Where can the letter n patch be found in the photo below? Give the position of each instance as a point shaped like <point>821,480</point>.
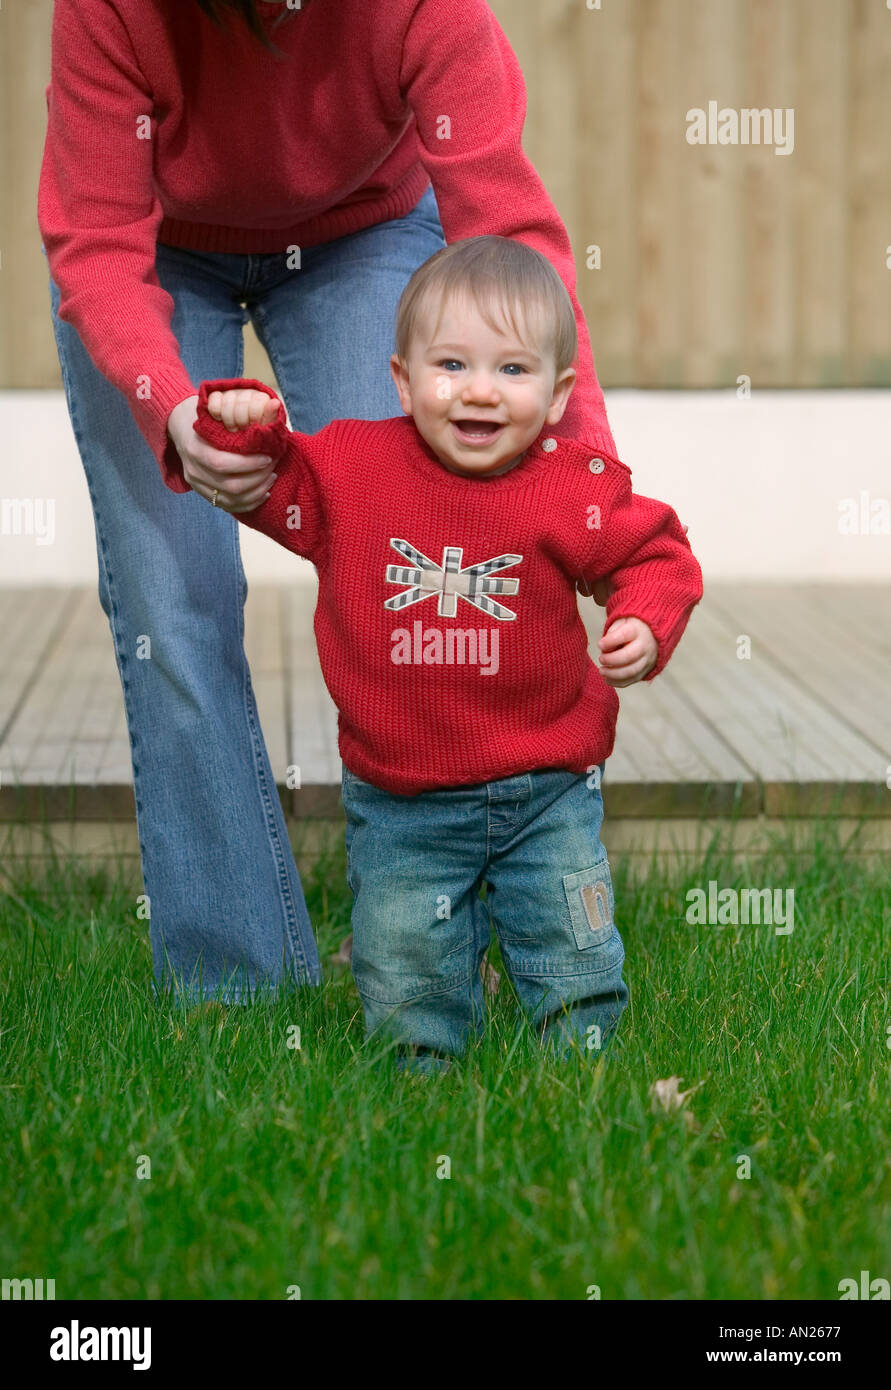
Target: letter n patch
<point>595,898</point>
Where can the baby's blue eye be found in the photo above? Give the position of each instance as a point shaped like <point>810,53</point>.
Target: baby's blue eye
<point>453,361</point>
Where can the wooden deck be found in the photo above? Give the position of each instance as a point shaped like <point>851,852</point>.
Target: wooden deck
<point>800,728</point>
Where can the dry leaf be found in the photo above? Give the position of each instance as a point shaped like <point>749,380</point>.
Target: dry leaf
<point>344,953</point>
<point>666,1096</point>
<point>491,977</point>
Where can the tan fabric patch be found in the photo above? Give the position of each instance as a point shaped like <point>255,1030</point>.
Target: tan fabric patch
<point>595,898</point>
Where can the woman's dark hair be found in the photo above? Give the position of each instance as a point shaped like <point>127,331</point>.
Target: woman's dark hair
<point>246,10</point>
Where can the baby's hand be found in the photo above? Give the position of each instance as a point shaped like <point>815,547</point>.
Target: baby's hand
<point>628,650</point>
<point>242,407</point>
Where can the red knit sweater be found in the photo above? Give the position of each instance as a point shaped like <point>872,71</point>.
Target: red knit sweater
<point>162,127</point>
<point>447,622</point>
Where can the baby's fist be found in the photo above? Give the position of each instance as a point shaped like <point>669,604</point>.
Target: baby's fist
<point>628,650</point>
<point>241,407</point>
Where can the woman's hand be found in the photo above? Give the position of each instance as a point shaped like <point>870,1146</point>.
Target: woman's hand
<point>599,591</point>
<point>242,481</point>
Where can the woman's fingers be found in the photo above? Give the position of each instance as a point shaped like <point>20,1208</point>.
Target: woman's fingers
<point>231,473</point>
<point>240,481</point>
<point>249,500</point>
<point>237,500</point>
<point>247,506</point>
<point>233,493</point>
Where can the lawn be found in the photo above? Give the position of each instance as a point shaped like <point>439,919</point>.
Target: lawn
<point>150,1151</point>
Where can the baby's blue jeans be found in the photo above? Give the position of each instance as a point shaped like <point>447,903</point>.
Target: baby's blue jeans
<point>416,865</point>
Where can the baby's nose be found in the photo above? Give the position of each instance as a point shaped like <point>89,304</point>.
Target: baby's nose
<point>480,384</point>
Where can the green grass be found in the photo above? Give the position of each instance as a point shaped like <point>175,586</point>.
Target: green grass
<point>273,1167</point>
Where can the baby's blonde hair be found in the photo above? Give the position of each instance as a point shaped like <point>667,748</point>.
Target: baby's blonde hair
<point>498,274</point>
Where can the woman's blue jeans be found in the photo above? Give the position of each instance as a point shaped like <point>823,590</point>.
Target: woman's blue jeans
<point>227,910</point>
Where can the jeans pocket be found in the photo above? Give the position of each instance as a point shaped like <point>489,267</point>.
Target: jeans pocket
<point>589,893</point>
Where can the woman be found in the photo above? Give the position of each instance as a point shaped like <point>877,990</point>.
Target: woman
<point>294,169</point>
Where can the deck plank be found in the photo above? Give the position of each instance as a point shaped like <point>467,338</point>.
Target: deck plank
<point>668,759</point>
<point>263,647</point>
<point>655,724</point>
<point>62,729</point>
<point>312,713</point>
<point>864,610</point>
<point>807,717</point>
<point>29,621</point>
<point>782,731</point>
<point>841,659</point>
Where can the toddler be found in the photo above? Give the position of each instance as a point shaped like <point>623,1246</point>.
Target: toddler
<point>473,726</point>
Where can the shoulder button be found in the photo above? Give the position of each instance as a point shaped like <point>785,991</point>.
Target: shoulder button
<point>549,445</point>
<point>596,465</point>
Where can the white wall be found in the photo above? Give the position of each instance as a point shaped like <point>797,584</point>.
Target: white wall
<point>759,482</point>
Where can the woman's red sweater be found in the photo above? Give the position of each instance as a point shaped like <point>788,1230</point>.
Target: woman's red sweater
<point>162,127</point>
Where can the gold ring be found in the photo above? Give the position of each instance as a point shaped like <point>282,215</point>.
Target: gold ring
<point>216,492</point>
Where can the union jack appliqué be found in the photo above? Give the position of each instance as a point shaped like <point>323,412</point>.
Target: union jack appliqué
<point>450,581</point>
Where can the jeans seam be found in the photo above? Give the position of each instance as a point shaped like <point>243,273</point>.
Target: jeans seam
<point>261,324</point>
<point>424,994</point>
<point>277,848</point>
<point>584,971</point>
<point>252,719</point>
<point>113,614</point>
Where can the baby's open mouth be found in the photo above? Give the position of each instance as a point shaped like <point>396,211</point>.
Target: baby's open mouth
<point>476,429</point>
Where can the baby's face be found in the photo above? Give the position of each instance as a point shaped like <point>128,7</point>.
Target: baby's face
<point>477,395</point>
